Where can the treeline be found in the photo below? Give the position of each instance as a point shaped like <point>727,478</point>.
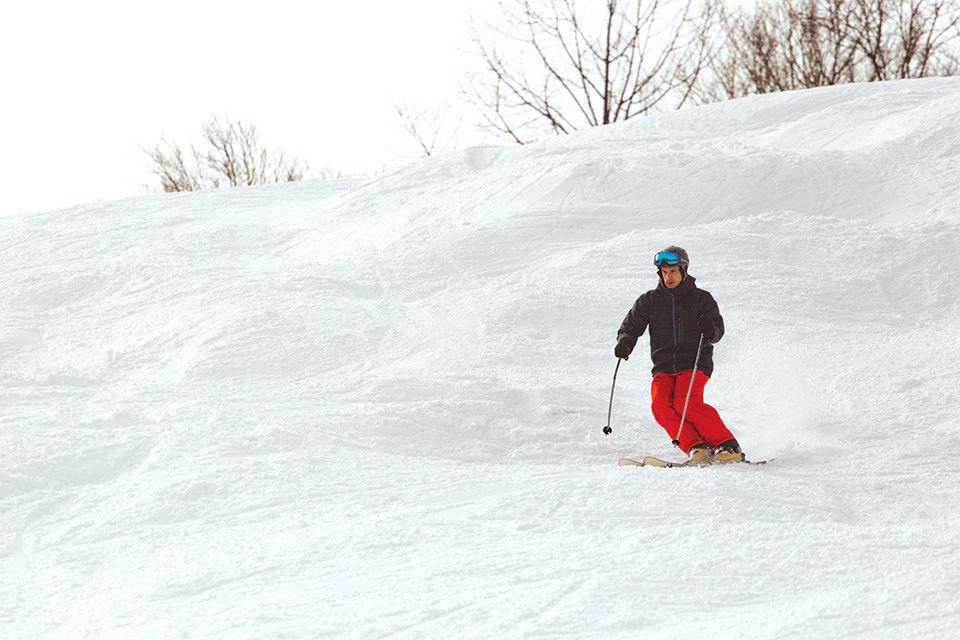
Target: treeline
<point>547,67</point>
<point>554,66</point>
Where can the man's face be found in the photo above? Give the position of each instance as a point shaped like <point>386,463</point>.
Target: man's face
<point>672,276</point>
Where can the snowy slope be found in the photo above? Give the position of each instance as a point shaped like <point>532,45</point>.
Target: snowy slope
<point>373,409</point>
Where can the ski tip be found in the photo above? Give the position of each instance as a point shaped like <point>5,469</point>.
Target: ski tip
<point>755,462</point>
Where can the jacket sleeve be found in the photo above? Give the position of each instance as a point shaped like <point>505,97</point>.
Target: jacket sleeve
<point>635,323</point>
<point>710,310</point>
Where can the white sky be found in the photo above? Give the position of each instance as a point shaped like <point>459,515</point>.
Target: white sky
<point>81,83</point>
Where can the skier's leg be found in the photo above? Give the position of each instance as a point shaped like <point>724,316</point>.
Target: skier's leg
<point>665,392</point>
<point>703,417</point>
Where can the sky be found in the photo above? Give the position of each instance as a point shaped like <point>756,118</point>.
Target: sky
<point>86,84</point>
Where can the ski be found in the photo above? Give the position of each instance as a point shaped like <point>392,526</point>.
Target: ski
<point>650,461</point>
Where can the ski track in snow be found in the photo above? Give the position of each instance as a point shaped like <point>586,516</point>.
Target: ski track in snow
<point>373,409</point>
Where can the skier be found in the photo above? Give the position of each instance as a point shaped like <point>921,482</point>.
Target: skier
<point>678,314</point>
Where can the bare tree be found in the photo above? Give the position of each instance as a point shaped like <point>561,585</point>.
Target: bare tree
<point>431,129</point>
<point>554,66</point>
<point>167,163</point>
<point>230,154</point>
<point>781,45</point>
<point>907,38</point>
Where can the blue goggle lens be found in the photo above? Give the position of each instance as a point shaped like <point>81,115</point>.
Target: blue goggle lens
<point>665,256</point>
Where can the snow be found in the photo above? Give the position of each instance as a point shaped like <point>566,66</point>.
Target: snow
<point>374,408</point>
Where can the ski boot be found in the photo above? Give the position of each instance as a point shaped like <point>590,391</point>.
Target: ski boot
<point>729,451</point>
<point>700,454</point>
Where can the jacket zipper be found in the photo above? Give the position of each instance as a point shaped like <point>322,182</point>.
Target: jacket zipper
<point>676,340</point>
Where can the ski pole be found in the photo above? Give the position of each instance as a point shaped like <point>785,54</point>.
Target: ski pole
<point>683,418</point>
<point>607,430</point>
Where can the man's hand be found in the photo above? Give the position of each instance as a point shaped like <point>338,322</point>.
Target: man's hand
<point>707,329</point>
<point>623,350</point>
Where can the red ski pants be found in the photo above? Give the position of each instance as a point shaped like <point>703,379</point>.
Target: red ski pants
<point>703,423</point>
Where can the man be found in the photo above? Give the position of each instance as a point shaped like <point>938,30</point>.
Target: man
<point>678,313</point>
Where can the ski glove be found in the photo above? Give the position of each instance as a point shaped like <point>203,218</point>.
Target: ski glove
<point>623,350</point>
<point>707,329</point>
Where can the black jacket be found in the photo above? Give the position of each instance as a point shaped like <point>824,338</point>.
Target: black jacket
<point>673,317</point>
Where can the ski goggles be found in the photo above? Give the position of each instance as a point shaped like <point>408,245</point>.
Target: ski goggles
<point>668,257</point>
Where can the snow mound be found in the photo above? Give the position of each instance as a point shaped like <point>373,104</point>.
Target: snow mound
<point>373,408</point>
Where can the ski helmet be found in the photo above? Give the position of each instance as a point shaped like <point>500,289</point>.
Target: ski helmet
<point>673,256</point>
